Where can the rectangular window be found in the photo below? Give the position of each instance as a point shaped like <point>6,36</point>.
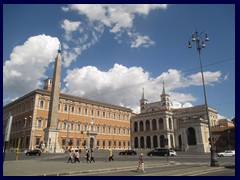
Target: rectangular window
<point>124,143</point>
<point>72,126</point>
<point>41,103</point>
<point>109,115</point>
<point>103,143</point>
<point>73,109</point>
<point>79,110</point>
<point>98,143</point>
<point>64,125</point>
<point>119,144</point>
<point>79,127</point>
<point>39,123</point>
<point>104,114</point>
<point>98,128</point>
<point>109,143</point>
<point>109,129</point>
<point>37,140</point>
<point>98,113</point>
<point>85,127</point>
<point>70,142</point>
<point>92,113</point>
<point>119,130</point>
<point>104,129</point>
<point>86,111</point>
<point>65,108</point>
<point>114,130</point>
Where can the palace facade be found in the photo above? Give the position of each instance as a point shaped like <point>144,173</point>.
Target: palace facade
<point>81,122</point>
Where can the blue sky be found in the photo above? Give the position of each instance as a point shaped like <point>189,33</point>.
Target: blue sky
<point>111,52</point>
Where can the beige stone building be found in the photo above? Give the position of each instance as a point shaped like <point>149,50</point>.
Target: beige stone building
<point>81,122</point>
<point>159,125</point>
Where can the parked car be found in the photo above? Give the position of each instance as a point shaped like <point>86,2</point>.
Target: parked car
<point>36,152</point>
<point>162,152</point>
<point>226,153</point>
<point>128,152</point>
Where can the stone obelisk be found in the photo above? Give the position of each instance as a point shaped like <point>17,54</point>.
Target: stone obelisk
<point>51,132</point>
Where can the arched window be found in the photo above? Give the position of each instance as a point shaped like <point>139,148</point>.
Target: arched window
<point>191,136</point>
<point>148,142</point>
<point>170,123</point>
<point>154,124</point>
<point>161,124</point>
<point>155,143</point>
<point>147,125</point>
<point>141,126</point>
<point>142,142</point>
<point>162,141</point>
<point>135,127</point>
<point>136,142</point>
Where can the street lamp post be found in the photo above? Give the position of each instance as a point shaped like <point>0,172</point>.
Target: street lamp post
<point>200,43</point>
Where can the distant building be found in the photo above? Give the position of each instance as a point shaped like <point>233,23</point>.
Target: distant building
<point>224,134</point>
<point>98,124</point>
<point>159,125</point>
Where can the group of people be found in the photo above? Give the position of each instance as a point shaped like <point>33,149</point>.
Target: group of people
<point>89,155</point>
<point>74,156</point>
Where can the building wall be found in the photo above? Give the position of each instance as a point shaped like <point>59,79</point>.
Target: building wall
<point>175,127</point>
<point>74,121</point>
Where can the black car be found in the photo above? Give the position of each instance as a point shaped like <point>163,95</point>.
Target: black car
<point>128,152</point>
<point>159,152</point>
<point>36,152</point>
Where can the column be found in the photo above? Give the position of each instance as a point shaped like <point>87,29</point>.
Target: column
<point>138,142</point>
<point>145,142</point>
<point>151,138</point>
<point>150,124</point>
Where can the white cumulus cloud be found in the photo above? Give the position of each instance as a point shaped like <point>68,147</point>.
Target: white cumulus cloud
<point>123,85</point>
<point>69,27</point>
<point>27,65</point>
<point>117,18</point>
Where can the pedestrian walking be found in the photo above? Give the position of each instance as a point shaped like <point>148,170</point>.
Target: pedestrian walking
<point>110,155</point>
<point>76,157</point>
<point>70,157</point>
<point>141,163</point>
<point>92,156</point>
<point>87,155</point>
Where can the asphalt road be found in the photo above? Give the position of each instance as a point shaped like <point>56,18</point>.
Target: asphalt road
<point>184,164</point>
<point>181,157</point>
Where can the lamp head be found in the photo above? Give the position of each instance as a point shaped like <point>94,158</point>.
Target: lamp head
<point>206,37</point>
<point>189,44</point>
<point>193,38</point>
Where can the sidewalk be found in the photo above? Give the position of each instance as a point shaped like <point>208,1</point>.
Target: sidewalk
<point>58,168</point>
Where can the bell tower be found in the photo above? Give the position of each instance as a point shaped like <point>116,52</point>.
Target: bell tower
<point>165,99</point>
<point>143,102</point>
